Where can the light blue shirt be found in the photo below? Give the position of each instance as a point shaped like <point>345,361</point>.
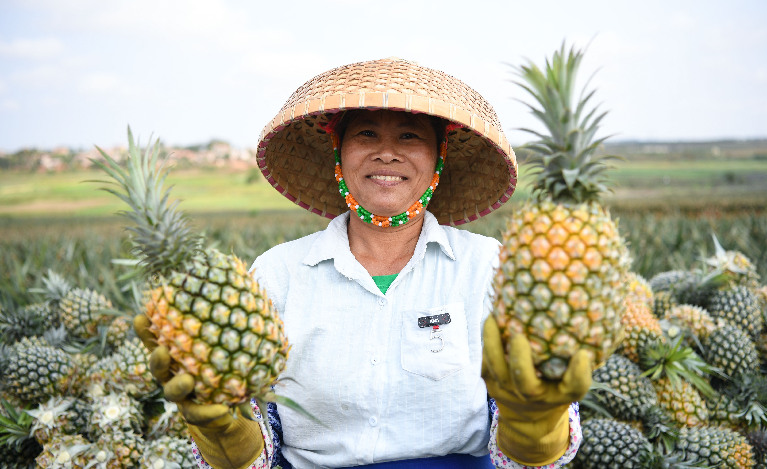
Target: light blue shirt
<point>359,360</point>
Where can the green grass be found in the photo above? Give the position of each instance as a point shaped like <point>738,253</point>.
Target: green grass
<point>213,190</point>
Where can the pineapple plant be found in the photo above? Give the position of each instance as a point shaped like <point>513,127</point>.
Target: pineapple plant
<point>217,323</point>
<point>563,261</point>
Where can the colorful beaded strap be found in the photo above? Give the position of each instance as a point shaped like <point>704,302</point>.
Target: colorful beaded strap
<point>396,220</point>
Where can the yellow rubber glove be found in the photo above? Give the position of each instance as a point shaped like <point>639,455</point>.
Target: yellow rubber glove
<point>533,419</point>
<point>225,442</point>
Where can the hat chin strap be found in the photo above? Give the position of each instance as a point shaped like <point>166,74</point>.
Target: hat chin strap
<point>396,220</point>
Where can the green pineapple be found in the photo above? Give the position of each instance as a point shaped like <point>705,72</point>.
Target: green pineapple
<point>692,318</point>
<point>732,351</point>
<point>217,323</point>
<point>35,371</point>
<point>739,307</point>
<point>624,376</point>
<point>663,281</point>
<point>716,447</point>
<point>610,443</point>
<point>17,323</point>
<point>562,261</point>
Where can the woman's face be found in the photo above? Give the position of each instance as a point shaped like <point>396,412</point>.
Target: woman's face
<point>388,159</point>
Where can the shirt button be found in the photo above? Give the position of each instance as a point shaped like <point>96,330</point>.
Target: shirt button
<point>374,361</point>
<point>381,301</point>
<point>373,421</point>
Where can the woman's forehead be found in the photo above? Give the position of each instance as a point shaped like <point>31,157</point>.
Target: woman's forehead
<point>401,118</point>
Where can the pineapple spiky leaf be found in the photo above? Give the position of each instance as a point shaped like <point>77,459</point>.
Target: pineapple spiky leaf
<point>564,160</point>
<point>676,362</point>
<point>162,239</point>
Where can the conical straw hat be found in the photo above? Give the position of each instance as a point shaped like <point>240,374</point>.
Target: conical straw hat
<point>296,155</point>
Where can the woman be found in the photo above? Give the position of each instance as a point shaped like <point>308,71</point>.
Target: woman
<point>387,309</point>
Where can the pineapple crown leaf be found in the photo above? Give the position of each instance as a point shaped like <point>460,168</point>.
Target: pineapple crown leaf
<point>55,286</point>
<point>677,363</point>
<point>15,429</point>
<point>162,239</point>
<point>569,169</point>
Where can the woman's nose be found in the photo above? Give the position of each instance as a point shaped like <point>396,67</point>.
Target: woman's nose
<point>388,151</point>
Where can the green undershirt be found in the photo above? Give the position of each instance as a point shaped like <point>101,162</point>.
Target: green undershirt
<point>383,282</point>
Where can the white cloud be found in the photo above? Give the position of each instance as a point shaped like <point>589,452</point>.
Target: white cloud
<point>37,49</point>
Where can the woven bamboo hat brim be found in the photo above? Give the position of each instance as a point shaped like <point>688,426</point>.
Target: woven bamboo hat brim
<point>296,155</point>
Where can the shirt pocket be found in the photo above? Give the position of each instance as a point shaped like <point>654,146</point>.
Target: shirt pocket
<point>417,353</point>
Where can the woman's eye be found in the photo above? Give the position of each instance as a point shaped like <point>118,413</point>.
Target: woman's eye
<point>367,133</point>
<point>409,135</point>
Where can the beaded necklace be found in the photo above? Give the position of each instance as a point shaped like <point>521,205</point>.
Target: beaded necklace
<point>396,220</point>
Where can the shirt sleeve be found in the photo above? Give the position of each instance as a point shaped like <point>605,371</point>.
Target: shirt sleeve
<point>502,461</point>
<point>264,461</point>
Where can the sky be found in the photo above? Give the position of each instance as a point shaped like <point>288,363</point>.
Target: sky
<point>76,73</point>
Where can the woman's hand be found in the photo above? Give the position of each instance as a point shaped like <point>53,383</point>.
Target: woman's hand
<point>224,441</point>
<point>533,422</point>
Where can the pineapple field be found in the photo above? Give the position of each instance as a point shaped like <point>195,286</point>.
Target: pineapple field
<point>681,269</point>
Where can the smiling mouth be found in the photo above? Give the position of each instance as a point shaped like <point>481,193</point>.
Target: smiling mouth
<point>387,178</point>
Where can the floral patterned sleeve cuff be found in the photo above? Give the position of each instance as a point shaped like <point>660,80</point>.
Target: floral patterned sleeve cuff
<point>500,460</point>
<point>263,461</point>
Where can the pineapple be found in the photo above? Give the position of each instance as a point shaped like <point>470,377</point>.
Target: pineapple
<point>83,311</point>
<point>732,351</point>
<point>116,450</point>
<point>54,416</point>
<point>131,365</point>
<point>169,422</point>
<point>36,371</point>
<point>563,262</point>
<point>167,452</point>
<point>663,281</point>
<point>610,443</point>
<point>679,376</point>
<point>738,268</point>
<point>624,376</point>
<point>641,328</point>
<point>739,307</point>
<point>217,323</point>
<point>693,318</point>
<point>114,412</point>
<point>64,452</point>
<point>640,287</point>
<point>716,447</point>
<point>28,321</point>
<point>119,331</point>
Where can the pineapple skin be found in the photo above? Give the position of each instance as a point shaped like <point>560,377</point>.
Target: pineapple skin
<point>560,282</point>
<point>221,328</point>
<point>716,447</point>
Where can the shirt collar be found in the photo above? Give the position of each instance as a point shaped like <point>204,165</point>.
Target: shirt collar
<point>333,242</point>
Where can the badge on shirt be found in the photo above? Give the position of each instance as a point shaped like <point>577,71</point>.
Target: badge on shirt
<point>436,333</point>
